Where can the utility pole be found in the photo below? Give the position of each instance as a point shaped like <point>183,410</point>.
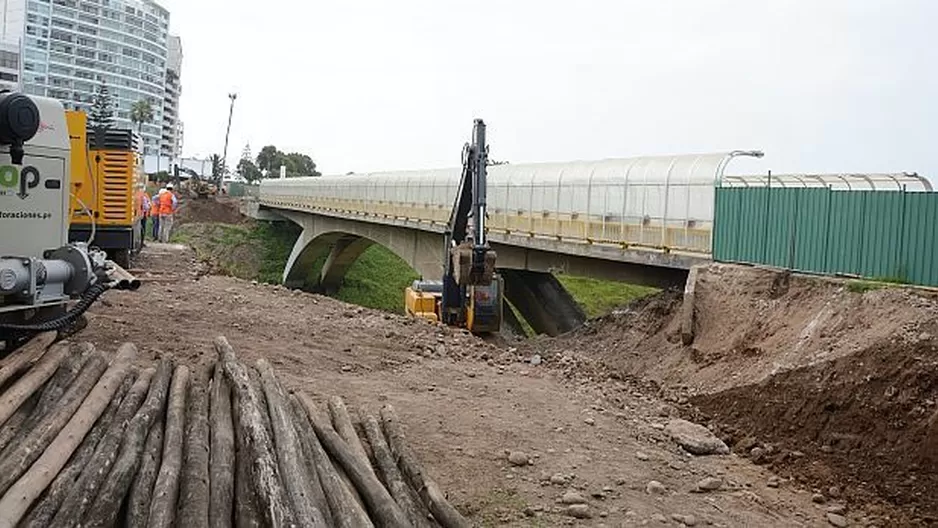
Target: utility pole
<point>224,155</point>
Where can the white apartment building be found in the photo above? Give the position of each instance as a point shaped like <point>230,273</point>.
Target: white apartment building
<point>9,66</point>
<point>171,143</point>
<point>12,25</point>
<point>71,47</point>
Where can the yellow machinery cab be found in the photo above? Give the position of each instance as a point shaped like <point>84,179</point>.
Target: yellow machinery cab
<point>107,185</point>
<point>422,299</point>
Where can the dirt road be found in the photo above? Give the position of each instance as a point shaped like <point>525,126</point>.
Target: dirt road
<point>466,405</point>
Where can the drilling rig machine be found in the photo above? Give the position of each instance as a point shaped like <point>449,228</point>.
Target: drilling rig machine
<point>471,293</point>
<point>40,271</point>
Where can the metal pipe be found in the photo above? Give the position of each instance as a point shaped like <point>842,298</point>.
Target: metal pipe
<point>123,278</point>
<point>56,271</point>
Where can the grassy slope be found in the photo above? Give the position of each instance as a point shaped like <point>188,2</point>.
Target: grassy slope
<point>599,297</point>
<point>259,250</point>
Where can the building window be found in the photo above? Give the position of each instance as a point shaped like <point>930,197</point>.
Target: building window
<point>59,23</point>
<point>12,77</point>
<point>9,60</point>
<point>58,69</point>
<point>61,35</point>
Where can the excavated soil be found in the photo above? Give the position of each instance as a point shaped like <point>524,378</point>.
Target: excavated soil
<point>825,381</point>
<point>219,209</point>
<point>465,403</point>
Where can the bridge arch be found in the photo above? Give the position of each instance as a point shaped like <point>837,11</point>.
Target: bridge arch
<point>538,296</point>
<point>343,241</point>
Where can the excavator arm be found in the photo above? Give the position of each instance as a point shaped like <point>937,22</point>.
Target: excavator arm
<point>472,292</point>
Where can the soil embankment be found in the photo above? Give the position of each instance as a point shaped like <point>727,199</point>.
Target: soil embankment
<point>829,382</point>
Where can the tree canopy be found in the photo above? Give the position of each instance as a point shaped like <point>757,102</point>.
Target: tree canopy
<point>270,159</point>
<point>141,112</point>
<point>102,109</point>
<point>218,167</point>
<point>249,171</point>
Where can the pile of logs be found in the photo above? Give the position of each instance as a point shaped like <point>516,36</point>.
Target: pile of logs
<point>88,441</point>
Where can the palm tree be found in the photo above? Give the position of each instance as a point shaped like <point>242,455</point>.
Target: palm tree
<point>141,112</point>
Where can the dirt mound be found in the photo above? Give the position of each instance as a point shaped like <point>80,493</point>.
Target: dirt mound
<point>865,423</point>
<point>222,210</point>
<point>845,378</point>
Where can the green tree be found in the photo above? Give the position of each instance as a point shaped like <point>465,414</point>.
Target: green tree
<point>141,112</point>
<point>268,158</point>
<point>218,167</point>
<point>302,165</point>
<point>249,171</point>
<point>159,177</point>
<point>102,109</point>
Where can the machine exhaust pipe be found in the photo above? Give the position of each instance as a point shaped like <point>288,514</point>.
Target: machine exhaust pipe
<point>122,278</point>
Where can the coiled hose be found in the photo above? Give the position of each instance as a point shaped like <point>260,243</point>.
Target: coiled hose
<point>63,321</point>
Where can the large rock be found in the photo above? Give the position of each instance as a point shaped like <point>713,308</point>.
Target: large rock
<point>695,439</point>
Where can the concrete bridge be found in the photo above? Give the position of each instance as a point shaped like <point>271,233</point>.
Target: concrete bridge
<point>642,220</point>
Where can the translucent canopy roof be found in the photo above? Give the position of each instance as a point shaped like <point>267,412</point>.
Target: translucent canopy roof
<point>686,168</point>
<point>907,181</point>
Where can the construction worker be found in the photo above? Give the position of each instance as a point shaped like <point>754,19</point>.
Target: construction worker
<point>155,214</point>
<point>168,204</point>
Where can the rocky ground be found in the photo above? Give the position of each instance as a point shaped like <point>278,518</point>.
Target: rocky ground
<point>832,384</point>
<point>537,434</point>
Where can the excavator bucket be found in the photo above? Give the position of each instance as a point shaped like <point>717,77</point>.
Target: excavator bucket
<point>470,273</point>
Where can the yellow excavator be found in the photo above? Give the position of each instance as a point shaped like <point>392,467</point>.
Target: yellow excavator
<point>471,293</point>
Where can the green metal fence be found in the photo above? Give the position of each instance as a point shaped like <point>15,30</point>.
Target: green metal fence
<point>239,190</point>
<point>876,234</point>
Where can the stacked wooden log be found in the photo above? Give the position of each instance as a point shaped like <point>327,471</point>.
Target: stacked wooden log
<point>87,441</point>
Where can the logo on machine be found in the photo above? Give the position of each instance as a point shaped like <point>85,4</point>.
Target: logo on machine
<point>20,180</point>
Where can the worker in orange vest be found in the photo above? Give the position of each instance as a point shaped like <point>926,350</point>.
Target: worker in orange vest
<point>143,210</point>
<point>168,205</point>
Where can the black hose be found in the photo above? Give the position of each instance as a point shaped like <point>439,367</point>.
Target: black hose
<point>87,299</point>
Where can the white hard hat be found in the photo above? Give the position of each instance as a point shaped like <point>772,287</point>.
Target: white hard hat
<point>169,186</point>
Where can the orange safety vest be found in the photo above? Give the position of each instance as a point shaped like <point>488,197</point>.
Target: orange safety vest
<point>166,203</point>
<point>141,199</point>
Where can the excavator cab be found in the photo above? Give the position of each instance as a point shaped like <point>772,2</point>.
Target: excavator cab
<point>484,311</point>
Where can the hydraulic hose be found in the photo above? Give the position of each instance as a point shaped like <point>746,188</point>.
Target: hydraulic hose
<point>87,299</point>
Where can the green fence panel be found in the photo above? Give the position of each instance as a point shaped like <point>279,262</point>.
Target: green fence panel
<point>780,234</point>
<point>877,234</point>
<point>885,212</point>
<point>844,252</point>
<point>920,238</point>
<point>722,231</point>
<point>754,212</point>
<point>812,218</point>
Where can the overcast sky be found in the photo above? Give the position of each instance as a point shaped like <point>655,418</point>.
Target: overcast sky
<point>820,86</point>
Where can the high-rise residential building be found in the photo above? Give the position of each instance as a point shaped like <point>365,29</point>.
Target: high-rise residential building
<point>171,143</point>
<point>9,66</point>
<point>12,18</point>
<point>71,47</point>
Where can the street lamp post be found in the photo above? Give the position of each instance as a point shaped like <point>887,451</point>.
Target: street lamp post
<point>224,156</point>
